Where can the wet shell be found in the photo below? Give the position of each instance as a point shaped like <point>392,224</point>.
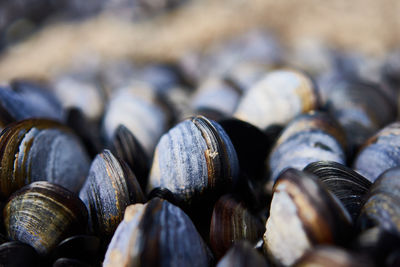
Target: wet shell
<point>277,98</point>
<point>379,153</point>
<point>137,109</point>
<point>34,150</point>
<point>231,222</point>
<point>382,206</point>
<point>361,108</point>
<point>347,185</point>
<point>109,189</point>
<point>193,160</point>
<point>42,214</point>
<point>156,234</point>
<point>242,254</point>
<point>16,254</point>
<point>22,100</point>
<point>126,147</point>
<point>215,96</point>
<point>310,137</point>
<point>303,214</point>
<point>329,256</point>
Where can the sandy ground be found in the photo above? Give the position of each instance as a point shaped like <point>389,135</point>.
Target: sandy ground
<point>370,26</point>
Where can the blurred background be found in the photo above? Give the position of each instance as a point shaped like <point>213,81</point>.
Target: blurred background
<point>43,38</point>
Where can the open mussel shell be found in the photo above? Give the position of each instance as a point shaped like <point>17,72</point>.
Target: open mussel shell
<point>217,96</point>
<point>17,254</point>
<point>329,256</point>
<point>138,109</point>
<point>232,222</point>
<point>361,108</point>
<point>242,254</point>
<point>22,100</point>
<point>347,185</point>
<point>194,160</point>
<point>156,234</point>
<point>382,205</point>
<point>380,153</point>
<point>277,98</point>
<point>38,149</point>
<point>126,147</point>
<point>308,138</point>
<point>42,214</point>
<point>303,214</point>
<point>109,189</point>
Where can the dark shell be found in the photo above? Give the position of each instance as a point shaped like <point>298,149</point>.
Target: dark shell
<point>66,262</point>
<point>308,138</point>
<point>42,214</point>
<point>382,206</point>
<point>81,247</point>
<point>37,149</point>
<point>214,94</point>
<point>347,185</point>
<point>277,98</point>
<point>329,256</point>
<point>242,254</point>
<point>109,189</point>
<point>361,108</point>
<point>193,160</point>
<point>156,234</point>
<point>126,147</point>
<point>303,214</point>
<point>17,254</point>
<point>380,153</point>
<point>231,222</point>
<point>251,145</point>
<point>23,100</point>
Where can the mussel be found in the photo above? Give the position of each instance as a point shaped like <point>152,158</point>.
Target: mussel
<point>277,98</point>
<point>137,108</point>
<point>194,160</point>
<point>156,234</point>
<point>303,214</point>
<point>215,99</point>
<point>330,256</point>
<point>16,254</point>
<point>42,214</point>
<point>310,137</point>
<point>38,149</point>
<point>232,222</point>
<point>242,254</point>
<point>347,185</point>
<point>109,189</point>
<point>380,153</point>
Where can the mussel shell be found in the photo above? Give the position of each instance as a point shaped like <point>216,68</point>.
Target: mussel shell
<point>156,234</point>
<point>42,214</point>
<point>38,149</point>
<point>277,98</point>
<point>193,160</point>
<point>361,108</point>
<point>214,94</point>
<point>380,153</point>
<point>327,256</point>
<point>16,254</point>
<point>136,107</point>
<point>244,75</point>
<point>308,138</point>
<point>67,262</point>
<point>231,222</point>
<point>303,214</point>
<point>127,148</point>
<point>251,145</point>
<point>109,189</point>
<point>382,205</point>
<point>23,100</point>
<point>347,185</point>
<point>242,254</point>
